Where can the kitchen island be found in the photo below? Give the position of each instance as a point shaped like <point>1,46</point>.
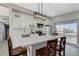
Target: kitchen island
<point>31,42</point>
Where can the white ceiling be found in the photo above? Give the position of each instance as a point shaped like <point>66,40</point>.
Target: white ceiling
<point>52,9</point>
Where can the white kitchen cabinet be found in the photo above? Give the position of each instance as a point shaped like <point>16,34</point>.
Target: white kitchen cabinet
<point>16,21</point>
<point>21,20</point>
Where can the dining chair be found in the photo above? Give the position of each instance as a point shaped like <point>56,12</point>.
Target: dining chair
<point>18,51</point>
<point>50,50</point>
<point>61,46</point>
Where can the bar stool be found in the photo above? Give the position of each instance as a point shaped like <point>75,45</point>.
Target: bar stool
<point>50,50</point>
<point>61,47</point>
<point>16,51</point>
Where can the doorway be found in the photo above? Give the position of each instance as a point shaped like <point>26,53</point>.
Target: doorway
<point>6,30</point>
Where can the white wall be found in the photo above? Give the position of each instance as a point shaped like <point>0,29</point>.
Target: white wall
<point>66,17</point>
<point>4,11</point>
<point>4,14</point>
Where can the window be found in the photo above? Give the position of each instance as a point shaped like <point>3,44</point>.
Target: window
<point>69,29</point>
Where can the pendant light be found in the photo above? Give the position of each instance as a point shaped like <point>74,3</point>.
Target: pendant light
<point>39,14</point>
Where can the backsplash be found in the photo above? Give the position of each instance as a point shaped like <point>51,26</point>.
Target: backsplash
<point>20,33</point>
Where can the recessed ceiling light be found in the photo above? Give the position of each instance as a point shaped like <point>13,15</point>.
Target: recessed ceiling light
<point>53,13</point>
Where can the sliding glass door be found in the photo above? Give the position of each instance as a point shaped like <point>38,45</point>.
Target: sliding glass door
<point>71,32</point>
<point>69,29</point>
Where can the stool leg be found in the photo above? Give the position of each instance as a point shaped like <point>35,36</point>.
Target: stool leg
<point>64,53</point>
<point>36,53</point>
<point>59,53</point>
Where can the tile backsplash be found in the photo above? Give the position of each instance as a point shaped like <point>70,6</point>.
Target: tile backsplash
<point>20,33</point>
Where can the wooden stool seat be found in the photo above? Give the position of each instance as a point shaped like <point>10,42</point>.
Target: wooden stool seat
<point>42,51</point>
<point>50,50</point>
<point>17,51</point>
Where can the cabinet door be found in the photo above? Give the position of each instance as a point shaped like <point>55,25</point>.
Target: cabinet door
<point>47,29</point>
<point>16,21</point>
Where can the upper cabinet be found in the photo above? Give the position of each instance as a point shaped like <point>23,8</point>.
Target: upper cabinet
<point>16,20</point>
<point>21,20</point>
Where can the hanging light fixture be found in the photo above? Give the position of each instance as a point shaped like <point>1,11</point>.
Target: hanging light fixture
<point>39,14</point>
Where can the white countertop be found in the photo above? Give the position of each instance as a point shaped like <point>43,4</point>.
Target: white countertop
<point>31,40</point>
